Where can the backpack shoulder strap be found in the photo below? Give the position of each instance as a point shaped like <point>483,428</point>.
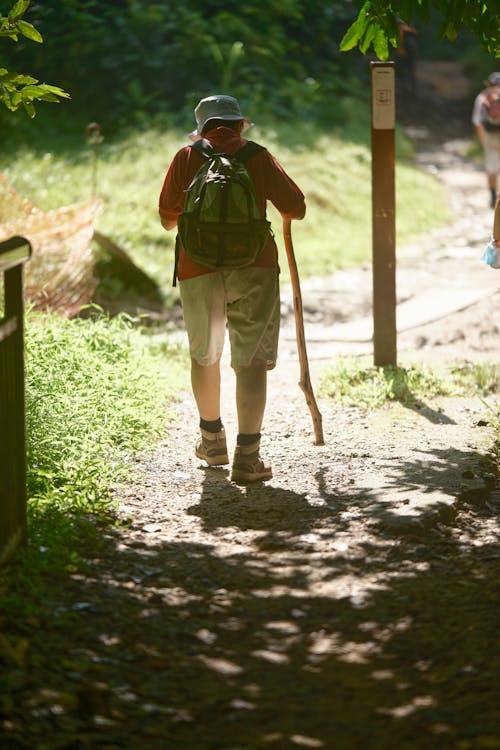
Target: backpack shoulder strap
<point>203,147</point>
<point>248,150</point>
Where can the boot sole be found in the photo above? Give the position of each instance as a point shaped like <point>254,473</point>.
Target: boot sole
<point>243,477</point>
<point>221,460</point>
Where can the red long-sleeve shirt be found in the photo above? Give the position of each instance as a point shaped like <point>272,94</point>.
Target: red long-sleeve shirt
<point>270,181</point>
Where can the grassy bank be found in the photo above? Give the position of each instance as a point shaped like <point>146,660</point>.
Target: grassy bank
<point>96,392</point>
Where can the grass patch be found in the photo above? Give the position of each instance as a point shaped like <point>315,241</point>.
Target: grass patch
<point>333,169</point>
<point>482,378</point>
<point>97,390</point>
<point>355,383</point>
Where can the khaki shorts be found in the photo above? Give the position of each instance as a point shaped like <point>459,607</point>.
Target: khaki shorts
<point>492,152</point>
<point>247,299</point>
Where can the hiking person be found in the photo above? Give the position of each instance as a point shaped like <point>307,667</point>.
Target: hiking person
<point>486,120</point>
<point>245,298</point>
<point>406,59</point>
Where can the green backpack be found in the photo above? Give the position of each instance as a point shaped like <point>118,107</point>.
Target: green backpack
<point>221,226</point>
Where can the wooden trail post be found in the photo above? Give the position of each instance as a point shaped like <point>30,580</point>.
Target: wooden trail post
<point>305,379</point>
<point>383,213</point>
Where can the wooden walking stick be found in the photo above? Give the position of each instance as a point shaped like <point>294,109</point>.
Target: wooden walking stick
<point>305,380</point>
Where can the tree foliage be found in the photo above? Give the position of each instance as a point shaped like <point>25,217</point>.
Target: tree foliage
<point>128,60</point>
<point>376,24</point>
<point>130,56</point>
<point>19,89</point>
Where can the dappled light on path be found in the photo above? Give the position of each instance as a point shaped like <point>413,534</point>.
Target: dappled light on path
<point>350,602</point>
<point>281,622</point>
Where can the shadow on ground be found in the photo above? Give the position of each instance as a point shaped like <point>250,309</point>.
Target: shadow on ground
<point>321,629</point>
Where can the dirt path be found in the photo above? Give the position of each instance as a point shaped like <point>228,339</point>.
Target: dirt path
<point>351,603</point>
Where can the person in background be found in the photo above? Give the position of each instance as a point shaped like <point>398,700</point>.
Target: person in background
<point>406,59</point>
<point>488,132</point>
<point>246,299</point>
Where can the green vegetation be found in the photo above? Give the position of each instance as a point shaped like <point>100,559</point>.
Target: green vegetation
<point>129,60</point>
<point>18,89</point>
<point>376,24</point>
<point>97,391</point>
<point>354,382</point>
<point>335,174</point>
<point>126,60</point>
<point>332,168</point>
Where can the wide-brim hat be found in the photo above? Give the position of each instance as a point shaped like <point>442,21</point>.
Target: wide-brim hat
<point>493,79</point>
<point>217,107</point>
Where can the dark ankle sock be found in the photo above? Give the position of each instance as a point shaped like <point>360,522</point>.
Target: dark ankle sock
<point>211,425</point>
<point>244,439</point>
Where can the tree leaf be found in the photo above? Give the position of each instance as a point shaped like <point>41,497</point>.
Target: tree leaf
<point>368,38</point>
<point>380,45</point>
<point>357,30</point>
<point>47,97</point>
<point>29,92</point>
<point>29,31</point>
<point>54,90</point>
<point>29,109</point>
<point>18,78</point>
<point>19,8</point>
<point>10,33</point>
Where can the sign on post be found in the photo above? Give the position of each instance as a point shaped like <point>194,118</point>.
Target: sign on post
<point>383,111</point>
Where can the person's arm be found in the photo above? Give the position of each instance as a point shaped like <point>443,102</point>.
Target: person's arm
<point>172,196</point>
<point>272,183</point>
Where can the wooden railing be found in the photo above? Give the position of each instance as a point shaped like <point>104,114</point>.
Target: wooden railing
<point>13,253</point>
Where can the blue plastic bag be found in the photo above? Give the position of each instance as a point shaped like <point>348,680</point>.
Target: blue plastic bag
<point>491,256</point>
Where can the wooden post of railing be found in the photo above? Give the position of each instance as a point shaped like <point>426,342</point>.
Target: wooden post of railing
<point>13,531</point>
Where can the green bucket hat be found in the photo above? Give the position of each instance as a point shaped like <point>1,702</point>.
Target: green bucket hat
<point>218,107</point>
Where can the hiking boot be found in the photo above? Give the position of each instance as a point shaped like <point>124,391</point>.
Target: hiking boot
<point>212,448</point>
<point>248,466</point>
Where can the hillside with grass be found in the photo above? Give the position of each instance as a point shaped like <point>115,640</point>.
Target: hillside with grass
<point>332,168</point>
